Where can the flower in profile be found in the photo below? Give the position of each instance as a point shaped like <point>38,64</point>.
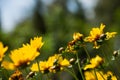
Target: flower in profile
<point>23,56</point>
<point>26,54</point>
<point>2,51</point>
<point>90,75</point>
<point>97,36</point>
<point>94,62</point>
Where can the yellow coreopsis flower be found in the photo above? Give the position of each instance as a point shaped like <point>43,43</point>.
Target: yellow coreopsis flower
<point>42,66</point>
<point>110,74</point>
<point>94,62</point>
<point>90,75</point>
<point>50,63</point>
<point>2,51</point>
<point>24,55</point>
<point>45,65</point>
<point>97,35</point>
<point>53,63</point>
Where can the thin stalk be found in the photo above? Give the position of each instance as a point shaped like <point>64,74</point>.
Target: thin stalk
<point>71,74</point>
<point>59,73</point>
<point>95,74</point>
<point>38,65</point>
<point>86,52</point>
<point>80,70</point>
<point>39,70</point>
<point>102,75</point>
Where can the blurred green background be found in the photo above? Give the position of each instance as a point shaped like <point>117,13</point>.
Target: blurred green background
<point>56,21</point>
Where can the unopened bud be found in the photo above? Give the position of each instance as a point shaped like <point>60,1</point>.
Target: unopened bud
<point>61,49</point>
<point>72,60</point>
<point>115,53</point>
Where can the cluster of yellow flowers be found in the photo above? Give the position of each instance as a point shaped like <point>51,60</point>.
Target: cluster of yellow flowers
<point>90,74</point>
<point>53,63</point>
<point>23,57</point>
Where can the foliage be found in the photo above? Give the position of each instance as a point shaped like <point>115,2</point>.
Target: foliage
<point>25,63</point>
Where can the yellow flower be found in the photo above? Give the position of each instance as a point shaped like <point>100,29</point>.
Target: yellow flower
<point>65,62</point>
<point>98,36</point>
<point>90,75</point>
<point>95,33</point>
<point>94,62</point>
<point>2,51</point>
<point>36,42</point>
<point>24,55</point>
<point>49,64</point>
<point>46,65</point>
<point>77,36</point>
<point>53,63</point>
<point>110,74</point>
<point>110,35</point>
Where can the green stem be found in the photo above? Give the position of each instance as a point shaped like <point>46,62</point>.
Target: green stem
<point>39,70</point>
<point>72,74</point>
<point>38,65</point>
<point>102,75</point>
<point>80,70</point>
<point>86,52</point>
<point>95,74</point>
<point>59,73</point>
